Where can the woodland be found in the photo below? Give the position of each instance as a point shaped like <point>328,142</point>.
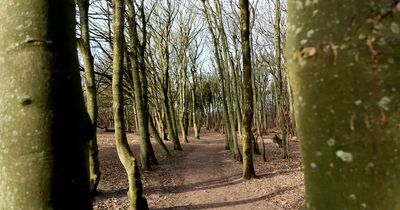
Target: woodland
<point>199,104</point>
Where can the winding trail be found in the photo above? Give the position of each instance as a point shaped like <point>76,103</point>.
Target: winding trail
<point>204,176</point>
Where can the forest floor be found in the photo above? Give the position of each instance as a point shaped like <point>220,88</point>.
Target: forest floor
<point>204,176</point>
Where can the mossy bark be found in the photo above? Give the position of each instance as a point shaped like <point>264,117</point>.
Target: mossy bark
<point>231,139</point>
<point>91,99</point>
<point>229,66</point>
<point>247,134</point>
<point>156,135</point>
<point>344,71</point>
<point>280,92</point>
<point>147,157</point>
<point>125,154</point>
<point>44,126</point>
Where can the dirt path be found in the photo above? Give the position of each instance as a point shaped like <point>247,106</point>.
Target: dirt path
<point>204,176</point>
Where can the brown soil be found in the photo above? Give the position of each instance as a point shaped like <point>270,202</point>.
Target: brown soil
<point>204,176</point>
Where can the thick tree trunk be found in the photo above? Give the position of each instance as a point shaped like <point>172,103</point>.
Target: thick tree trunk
<point>124,152</point>
<point>44,126</point>
<point>247,134</point>
<point>91,99</point>
<point>344,71</point>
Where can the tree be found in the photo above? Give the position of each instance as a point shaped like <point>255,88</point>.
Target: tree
<point>247,134</point>
<point>228,116</point>
<point>279,81</point>
<point>162,37</point>
<point>124,152</point>
<point>138,69</point>
<point>44,128</point>
<point>344,62</point>
<point>194,55</point>
<point>229,66</point>
<point>91,99</point>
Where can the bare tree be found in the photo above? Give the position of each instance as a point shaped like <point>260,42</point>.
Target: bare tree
<point>247,134</point>
<point>124,152</point>
<point>91,97</point>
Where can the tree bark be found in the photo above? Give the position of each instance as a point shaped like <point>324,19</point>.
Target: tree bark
<point>247,134</point>
<point>147,156</point>
<point>124,152</point>
<point>231,140</point>
<point>44,125</point>
<point>91,98</point>
<point>155,135</point>
<point>194,101</point>
<point>279,83</point>
<point>229,66</point>
<point>344,71</point>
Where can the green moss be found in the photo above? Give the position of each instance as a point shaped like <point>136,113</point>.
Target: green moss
<point>347,103</point>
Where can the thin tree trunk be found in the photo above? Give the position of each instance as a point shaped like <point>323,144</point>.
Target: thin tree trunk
<point>147,156</point>
<point>194,113</point>
<point>280,92</point>
<point>231,139</point>
<point>229,66</point>
<point>125,154</point>
<point>144,83</point>
<point>44,125</point>
<point>155,134</point>
<point>172,112</point>
<point>194,101</point>
<point>224,67</point>
<point>91,100</point>
<point>168,112</point>
<point>182,101</point>
<point>159,117</point>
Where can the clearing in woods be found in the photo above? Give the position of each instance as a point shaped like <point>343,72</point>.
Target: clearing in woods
<point>204,176</point>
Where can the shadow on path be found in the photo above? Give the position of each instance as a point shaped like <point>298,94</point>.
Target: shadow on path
<point>215,183</point>
<point>232,203</point>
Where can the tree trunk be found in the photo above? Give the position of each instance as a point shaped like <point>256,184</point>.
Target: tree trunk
<point>279,85</point>
<point>168,111</point>
<point>155,135</point>
<point>194,114</point>
<point>44,126</point>
<point>124,152</point>
<point>247,134</point>
<point>147,156</point>
<point>194,101</point>
<point>182,101</point>
<point>182,60</point>
<point>231,139</point>
<point>344,71</point>
<point>91,99</point>
<point>172,112</point>
<point>229,66</point>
